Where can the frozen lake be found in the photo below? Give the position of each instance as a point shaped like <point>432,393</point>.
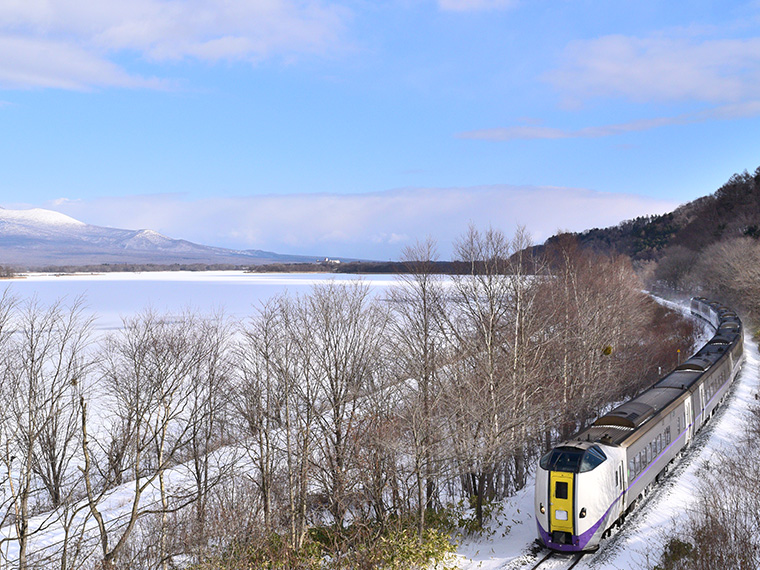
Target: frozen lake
<point>111,296</point>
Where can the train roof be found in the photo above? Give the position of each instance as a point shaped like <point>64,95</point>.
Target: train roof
<point>719,340</point>
<point>713,351</point>
<point>696,363</point>
<point>637,411</point>
<point>681,378</point>
<point>619,424</point>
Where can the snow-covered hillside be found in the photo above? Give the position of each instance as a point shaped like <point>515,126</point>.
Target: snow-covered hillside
<point>36,218</point>
<point>38,237</point>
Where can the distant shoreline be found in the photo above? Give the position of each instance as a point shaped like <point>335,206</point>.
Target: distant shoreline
<point>351,267</point>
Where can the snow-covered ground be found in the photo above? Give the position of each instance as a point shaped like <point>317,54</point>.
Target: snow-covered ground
<point>638,544</point>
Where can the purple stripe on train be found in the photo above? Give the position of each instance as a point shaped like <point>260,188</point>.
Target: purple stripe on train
<point>578,542</point>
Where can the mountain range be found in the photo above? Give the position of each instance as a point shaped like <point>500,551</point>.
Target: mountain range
<point>37,238</point>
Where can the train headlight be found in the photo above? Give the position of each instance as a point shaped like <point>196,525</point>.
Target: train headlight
<point>582,514</point>
<point>542,508</point>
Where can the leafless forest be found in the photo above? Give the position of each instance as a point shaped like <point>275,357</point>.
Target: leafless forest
<point>323,427</point>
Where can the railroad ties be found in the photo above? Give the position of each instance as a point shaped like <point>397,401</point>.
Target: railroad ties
<point>550,560</point>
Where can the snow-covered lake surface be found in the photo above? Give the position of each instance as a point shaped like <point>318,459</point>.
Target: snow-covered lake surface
<point>111,296</point>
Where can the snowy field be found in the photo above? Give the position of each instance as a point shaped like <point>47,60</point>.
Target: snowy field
<point>638,544</point>
<point>111,296</point>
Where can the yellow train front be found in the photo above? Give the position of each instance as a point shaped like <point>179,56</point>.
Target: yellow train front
<point>579,493</point>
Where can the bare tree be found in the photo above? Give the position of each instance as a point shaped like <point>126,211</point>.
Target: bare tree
<point>147,371</point>
<point>601,314</point>
<point>478,322</point>
<point>209,395</point>
<point>7,307</point>
<point>526,345</point>
<point>417,353</point>
<point>296,374</point>
<point>259,400</point>
<point>728,270</point>
<point>45,369</point>
<point>275,397</point>
<point>346,331</point>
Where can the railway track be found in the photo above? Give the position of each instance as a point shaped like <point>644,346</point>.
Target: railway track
<point>572,559</point>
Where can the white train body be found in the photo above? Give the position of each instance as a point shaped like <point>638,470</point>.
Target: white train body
<point>586,484</point>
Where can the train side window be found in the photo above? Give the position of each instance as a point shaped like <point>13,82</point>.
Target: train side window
<point>667,435</point>
<point>561,490</point>
<point>637,464</point>
<point>659,443</point>
<point>631,469</point>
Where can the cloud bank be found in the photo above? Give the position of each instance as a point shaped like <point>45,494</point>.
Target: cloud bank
<point>371,225</point>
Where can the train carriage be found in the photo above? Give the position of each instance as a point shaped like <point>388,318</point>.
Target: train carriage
<point>587,483</point>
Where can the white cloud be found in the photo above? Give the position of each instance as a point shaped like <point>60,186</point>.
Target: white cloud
<point>41,63</point>
<point>69,43</point>
<point>374,225</point>
<point>474,5</point>
<point>536,131</point>
<point>722,76</point>
<point>660,69</point>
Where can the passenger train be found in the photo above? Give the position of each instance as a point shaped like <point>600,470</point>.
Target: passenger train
<point>588,483</point>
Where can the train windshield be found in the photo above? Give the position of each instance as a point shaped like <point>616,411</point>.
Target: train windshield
<point>572,459</point>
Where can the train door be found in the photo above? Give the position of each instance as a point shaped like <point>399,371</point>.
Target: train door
<point>702,401</point>
<point>561,503</point>
<point>688,416</point>
<point>623,486</point>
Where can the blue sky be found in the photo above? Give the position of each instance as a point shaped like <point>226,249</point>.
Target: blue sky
<point>354,128</point>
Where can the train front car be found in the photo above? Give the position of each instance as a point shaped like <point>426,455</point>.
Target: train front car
<point>579,491</point>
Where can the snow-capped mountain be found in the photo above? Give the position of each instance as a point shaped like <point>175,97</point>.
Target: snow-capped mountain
<point>38,237</point>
